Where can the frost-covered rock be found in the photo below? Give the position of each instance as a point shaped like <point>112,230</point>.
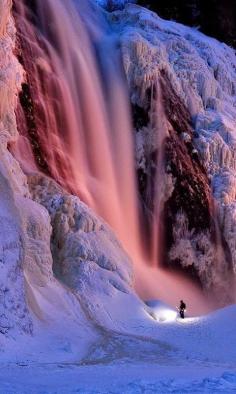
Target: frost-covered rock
<point>112,5</point>
<point>14,314</point>
<point>214,18</point>
<point>87,257</point>
<point>198,80</point>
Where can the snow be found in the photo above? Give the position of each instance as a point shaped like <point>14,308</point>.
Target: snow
<point>68,379</point>
<point>196,355</point>
<point>114,3</point>
<point>162,312</point>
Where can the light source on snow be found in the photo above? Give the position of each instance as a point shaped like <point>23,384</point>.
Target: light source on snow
<point>165,315</point>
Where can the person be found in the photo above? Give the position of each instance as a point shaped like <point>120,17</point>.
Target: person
<point>182,309</point>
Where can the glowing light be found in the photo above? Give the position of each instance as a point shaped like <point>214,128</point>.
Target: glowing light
<point>165,315</point>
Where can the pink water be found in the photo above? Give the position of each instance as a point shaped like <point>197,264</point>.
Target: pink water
<point>85,133</point>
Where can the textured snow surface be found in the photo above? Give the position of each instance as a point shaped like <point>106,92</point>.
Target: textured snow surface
<point>87,257</point>
<point>70,379</point>
<point>191,356</point>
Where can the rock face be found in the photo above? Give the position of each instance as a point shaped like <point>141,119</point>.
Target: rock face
<point>197,79</point>
<point>14,311</point>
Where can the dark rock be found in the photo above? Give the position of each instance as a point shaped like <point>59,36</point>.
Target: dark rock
<point>216,18</point>
<point>140,116</point>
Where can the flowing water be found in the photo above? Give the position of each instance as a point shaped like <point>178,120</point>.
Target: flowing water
<point>79,128</point>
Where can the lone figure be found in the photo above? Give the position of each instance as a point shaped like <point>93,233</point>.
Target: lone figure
<point>182,309</point>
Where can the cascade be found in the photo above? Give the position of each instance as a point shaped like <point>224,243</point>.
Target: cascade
<point>75,126</point>
<point>160,125</point>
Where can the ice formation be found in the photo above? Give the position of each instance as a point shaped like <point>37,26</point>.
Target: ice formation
<point>14,311</point>
<point>201,71</point>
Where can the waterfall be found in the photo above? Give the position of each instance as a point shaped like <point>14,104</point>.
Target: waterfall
<point>78,130</point>
<point>159,123</point>
<point>83,125</point>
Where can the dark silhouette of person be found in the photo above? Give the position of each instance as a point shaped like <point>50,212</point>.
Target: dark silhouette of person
<point>182,309</point>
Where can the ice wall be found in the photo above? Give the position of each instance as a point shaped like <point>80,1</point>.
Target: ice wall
<point>200,73</point>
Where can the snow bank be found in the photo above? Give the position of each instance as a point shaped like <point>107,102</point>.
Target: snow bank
<point>88,259</point>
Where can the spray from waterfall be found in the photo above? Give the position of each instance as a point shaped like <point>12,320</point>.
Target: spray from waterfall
<point>159,123</point>
<point>81,123</point>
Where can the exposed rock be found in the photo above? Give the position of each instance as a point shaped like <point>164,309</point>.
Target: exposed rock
<point>29,113</point>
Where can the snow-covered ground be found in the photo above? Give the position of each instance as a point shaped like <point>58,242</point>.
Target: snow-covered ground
<point>195,355</point>
<point>116,379</point>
